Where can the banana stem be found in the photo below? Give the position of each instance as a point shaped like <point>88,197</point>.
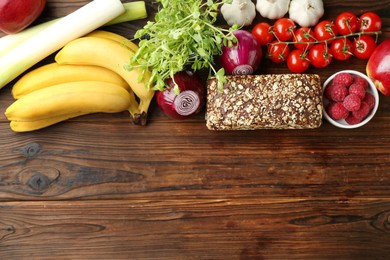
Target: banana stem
<point>134,109</point>
<point>143,107</point>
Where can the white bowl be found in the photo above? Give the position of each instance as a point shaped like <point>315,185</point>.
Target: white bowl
<point>371,89</point>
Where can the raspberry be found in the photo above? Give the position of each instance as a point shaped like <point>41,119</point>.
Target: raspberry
<point>369,99</point>
<point>337,111</point>
<point>336,93</point>
<point>357,89</point>
<point>351,120</point>
<point>360,81</point>
<point>327,91</point>
<point>362,112</point>
<point>352,102</point>
<point>343,78</point>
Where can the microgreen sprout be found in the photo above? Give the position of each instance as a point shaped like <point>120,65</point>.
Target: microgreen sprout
<point>182,36</point>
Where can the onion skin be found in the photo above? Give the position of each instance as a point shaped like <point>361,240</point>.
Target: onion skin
<point>188,102</point>
<point>244,57</point>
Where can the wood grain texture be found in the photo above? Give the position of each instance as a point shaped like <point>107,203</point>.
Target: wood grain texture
<point>97,187</point>
<point>189,161</point>
<point>195,229</point>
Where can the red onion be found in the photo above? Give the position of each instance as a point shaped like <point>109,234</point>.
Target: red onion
<point>244,57</point>
<point>188,102</point>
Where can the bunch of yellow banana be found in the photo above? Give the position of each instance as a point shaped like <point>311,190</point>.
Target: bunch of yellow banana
<point>107,53</point>
<point>56,103</point>
<point>89,76</point>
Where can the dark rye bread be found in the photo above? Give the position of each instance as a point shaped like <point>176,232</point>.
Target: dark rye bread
<point>273,101</point>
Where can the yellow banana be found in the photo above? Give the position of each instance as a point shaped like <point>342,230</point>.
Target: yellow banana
<point>115,37</point>
<point>53,74</point>
<point>81,97</point>
<point>108,54</point>
<point>26,126</point>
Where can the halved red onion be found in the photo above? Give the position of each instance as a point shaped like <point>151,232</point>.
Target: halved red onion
<point>188,102</point>
<point>244,57</point>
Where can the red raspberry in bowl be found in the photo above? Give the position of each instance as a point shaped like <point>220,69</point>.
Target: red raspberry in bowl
<point>357,89</point>
<point>369,99</point>
<point>352,102</point>
<point>349,96</point>
<point>337,111</point>
<point>351,120</point>
<point>360,81</point>
<point>343,78</point>
<point>362,112</point>
<point>336,93</point>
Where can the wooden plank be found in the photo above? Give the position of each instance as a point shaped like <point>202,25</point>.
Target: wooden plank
<point>170,159</point>
<point>196,229</point>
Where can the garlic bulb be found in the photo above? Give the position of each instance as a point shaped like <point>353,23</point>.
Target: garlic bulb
<point>272,9</point>
<point>240,12</point>
<point>306,13</point>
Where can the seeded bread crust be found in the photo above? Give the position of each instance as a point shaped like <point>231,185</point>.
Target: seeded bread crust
<point>273,101</point>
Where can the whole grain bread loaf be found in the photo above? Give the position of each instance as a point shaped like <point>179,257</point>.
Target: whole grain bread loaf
<point>273,101</point>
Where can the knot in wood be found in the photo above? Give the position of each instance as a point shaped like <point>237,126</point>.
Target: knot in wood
<point>39,182</point>
<point>31,150</point>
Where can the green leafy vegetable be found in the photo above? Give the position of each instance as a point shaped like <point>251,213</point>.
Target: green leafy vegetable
<point>183,35</point>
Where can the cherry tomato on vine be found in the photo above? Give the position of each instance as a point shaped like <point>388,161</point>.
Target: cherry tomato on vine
<point>341,48</point>
<point>363,46</point>
<point>297,61</point>
<point>263,33</point>
<point>370,22</point>
<point>284,29</point>
<point>304,35</point>
<point>346,23</point>
<point>325,30</point>
<point>278,51</point>
<point>320,56</point>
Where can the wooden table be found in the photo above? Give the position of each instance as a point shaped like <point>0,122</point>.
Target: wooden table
<point>98,187</point>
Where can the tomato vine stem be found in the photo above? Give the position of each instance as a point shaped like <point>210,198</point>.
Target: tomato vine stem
<point>330,39</point>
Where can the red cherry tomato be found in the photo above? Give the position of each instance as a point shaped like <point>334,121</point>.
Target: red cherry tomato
<point>346,23</point>
<point>263,33</point>
<point>305,36</point>
<point>297,61</point>
<point>325,30</point>
<point>370,22</point>
<point>284,29</point>
<point>278,51</point>
<point>341,48</point>
<point>320,56</point>
<point>363,46</point>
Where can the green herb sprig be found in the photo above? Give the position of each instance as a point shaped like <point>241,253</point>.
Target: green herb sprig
<point>183,35</point>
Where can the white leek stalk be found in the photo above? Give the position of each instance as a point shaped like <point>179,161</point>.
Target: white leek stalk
<point>134,11</point>
<point>9,41</point>
<point>51,39</point>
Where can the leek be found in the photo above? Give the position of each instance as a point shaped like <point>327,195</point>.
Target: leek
<point>82,21</point>
<point>133,11</point>
<point>9,41</point>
